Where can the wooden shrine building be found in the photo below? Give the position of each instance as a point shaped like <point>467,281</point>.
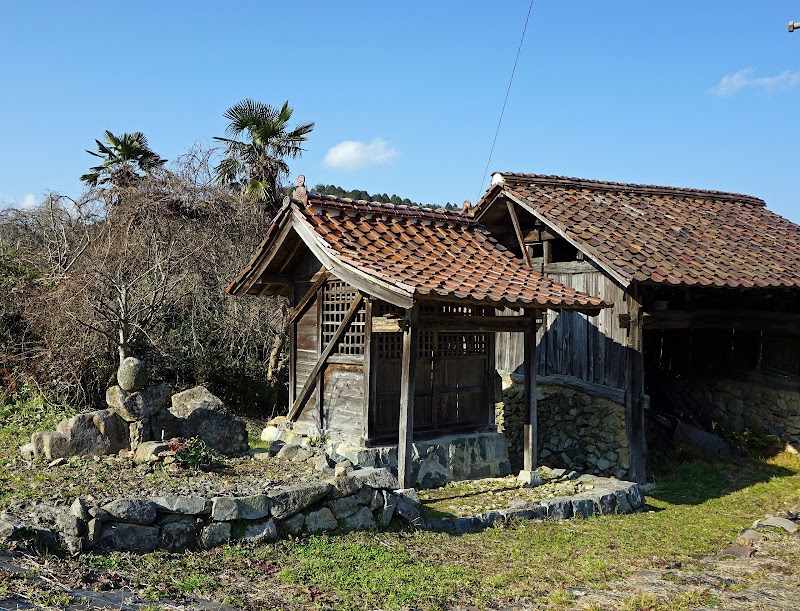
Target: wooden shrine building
<point>705,325</point>
<point>395,311</point>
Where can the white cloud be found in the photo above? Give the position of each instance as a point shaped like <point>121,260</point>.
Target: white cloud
<point>745,79</point>
<point>27,201</point>
<point>354,154</point>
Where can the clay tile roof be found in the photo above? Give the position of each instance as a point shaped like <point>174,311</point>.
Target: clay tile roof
<point>439,254</point>
<point>665,235</point>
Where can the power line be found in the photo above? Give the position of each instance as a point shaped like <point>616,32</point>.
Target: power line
<point>505,101</point>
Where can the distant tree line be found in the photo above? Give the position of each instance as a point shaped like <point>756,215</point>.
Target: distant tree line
<point>338,191</point>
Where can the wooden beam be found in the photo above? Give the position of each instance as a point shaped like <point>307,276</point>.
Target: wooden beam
<point>407,387</point>
<point>297,406</point>
<point>596,390</point>
<point>515,221</point>
<point>477,324</point>
<point>318,280</point>
<point>634,391</point>
<point>274,279</point>
<point>386,324</point>
<point>784,323</point>
<point>530,430</point>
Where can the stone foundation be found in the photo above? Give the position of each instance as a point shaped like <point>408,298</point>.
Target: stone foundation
<point>435,461</point>
<point>738,405</point>
<point>576,430</point>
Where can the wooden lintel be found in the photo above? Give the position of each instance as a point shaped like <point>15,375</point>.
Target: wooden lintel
<point>477,324</point>
<point>515,221</point>
<point>299,402</point>
<point>408,377</point>
<point>386,324</point>
<point>784,323</point>
<point>318,280</point>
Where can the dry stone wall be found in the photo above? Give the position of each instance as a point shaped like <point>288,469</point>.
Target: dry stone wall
<point>362,499</point>
<point>575,430</point>
<point>740,404</point>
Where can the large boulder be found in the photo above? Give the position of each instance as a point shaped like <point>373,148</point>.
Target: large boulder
<point>186,402</point>
<point>100,432</point>
<point>201,414</point>
<point>133,406</point>
<point>132,375</point>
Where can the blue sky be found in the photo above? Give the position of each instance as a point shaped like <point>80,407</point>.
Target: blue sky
<point>683,93</point>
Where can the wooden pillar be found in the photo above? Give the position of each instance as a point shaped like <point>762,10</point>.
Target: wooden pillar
<point>530,434</point>
<point>634,391</point>
<point>407,384</point>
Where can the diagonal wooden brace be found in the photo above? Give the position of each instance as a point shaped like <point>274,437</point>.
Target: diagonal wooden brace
<point>300,401</point>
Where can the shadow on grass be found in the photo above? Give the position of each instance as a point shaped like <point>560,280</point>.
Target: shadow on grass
<point>682,481</point>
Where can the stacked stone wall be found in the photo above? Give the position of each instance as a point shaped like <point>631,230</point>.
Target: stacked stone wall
<point>738,405</point>
<point>575,429</point>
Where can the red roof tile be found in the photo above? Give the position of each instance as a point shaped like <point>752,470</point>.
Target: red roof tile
<point>435,254</point>
<point>665,235</point>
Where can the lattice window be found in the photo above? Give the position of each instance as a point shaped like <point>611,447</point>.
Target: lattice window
<point>426,346</point>
<point>336,298</point>
<point>462,344</point>
<point>390,345</point>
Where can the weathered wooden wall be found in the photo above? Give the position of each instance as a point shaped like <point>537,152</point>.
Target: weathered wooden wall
<point>588,348</point>
<point>307,350</point>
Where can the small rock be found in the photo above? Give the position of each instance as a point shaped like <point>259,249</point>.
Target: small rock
<point>751,536</point>
<point>93,528</point>
<point>186,505</point>
<point>294,525</point>
<point>736,551</point>
<point>342,468</point>
<point>260,454</point>
<point>132,374</point>
<point>360,520</point>
<point>79,510</point>
<point>319,521</point>
<point>344,507</point>
<point>129,537</point>
<point>58,462</point>
<point>294,499</point>
<point>132,511</point>
<point>787,525</point>
<point>186,402</point>
<point>215,534</point>
<point>302,455</point>
<point>258,531</point>
<point>379,479</point>
<point>530,479</point>
<point>179,536</point>
<point>148,451</point>
<point>68,524</point>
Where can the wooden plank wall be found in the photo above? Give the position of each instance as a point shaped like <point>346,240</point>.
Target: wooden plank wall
<point>343,400</point>
<point>573,344</point>
<point>307,349</point>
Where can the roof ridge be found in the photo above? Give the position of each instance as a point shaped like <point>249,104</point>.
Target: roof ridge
<point>362,205</point>
<point>604,185</point>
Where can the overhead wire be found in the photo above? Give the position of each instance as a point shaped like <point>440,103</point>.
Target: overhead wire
<point>505,101</point>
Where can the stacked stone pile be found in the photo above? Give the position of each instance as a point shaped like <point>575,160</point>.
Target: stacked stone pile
<point>362,499</point>
<point>575,430</point>
<point>137,414</point>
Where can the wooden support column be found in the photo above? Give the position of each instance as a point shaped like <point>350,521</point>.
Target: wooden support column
<point>407,387</point>
<point>634,391</point>
<point>530,430</point>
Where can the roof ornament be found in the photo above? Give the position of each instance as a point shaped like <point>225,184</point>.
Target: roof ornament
<point>300,192</point>
<point>466,208</point>
<point>497,179</point>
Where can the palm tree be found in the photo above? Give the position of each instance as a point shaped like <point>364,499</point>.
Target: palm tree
<point>123,158</point>
<point>260,142</point>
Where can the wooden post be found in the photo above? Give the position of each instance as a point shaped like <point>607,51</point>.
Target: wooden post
<point>407,387</point>
<point>530,453</point>
<point>368,367</point>
<point>634,390</point>
<point>518,231</point>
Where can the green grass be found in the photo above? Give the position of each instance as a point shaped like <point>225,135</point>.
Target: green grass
<point>696,509</point>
